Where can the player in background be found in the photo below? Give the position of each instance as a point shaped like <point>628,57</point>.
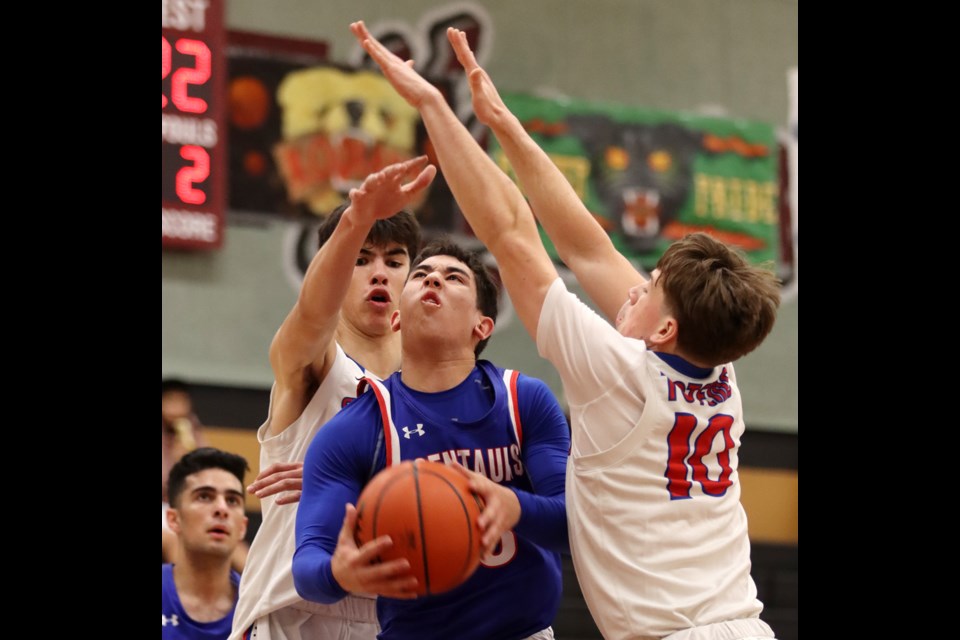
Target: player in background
<point>657,532</point>
<point>337,332</point>
<point>199,592</point>
<point>445,405</point>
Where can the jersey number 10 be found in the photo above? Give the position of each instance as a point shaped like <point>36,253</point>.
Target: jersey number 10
<point>683,465</point>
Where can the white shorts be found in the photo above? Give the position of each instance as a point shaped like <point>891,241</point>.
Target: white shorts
<point>349,619</point>
<point>742,629</point>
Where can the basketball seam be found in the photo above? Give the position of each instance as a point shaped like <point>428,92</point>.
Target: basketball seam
<point>423,537</point>
<point>466,513</point>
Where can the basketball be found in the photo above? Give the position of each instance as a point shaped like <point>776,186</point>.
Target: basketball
<point>428,510</point>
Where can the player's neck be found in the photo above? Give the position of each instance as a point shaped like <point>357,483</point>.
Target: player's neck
<point>671,348</point>
<point>378,354</point>
<point>200,577</point>
<point>426,372</point>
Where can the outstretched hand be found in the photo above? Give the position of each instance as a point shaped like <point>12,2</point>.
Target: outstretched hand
<point>357,570</point>
<point>385,192</point>
<point>487,103</point>
<point>501,508</point>
<point>408,83</point>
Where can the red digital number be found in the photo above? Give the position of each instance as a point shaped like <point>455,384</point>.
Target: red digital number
<point>166,65</point>
<point>190,175</point>
<point>185,76</point>
<point>679,467</point>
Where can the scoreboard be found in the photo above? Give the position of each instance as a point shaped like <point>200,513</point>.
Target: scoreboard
<point>193,131</point>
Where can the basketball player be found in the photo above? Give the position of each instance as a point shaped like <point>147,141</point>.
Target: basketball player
<point>657,532</point>
<point>444,405</point>
<point>198,593</point>
<point>340,321</point>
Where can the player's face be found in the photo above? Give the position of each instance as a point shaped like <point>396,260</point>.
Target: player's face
<point>439,303</point>
<point>209,517</point>
<point>642,313</point>
<point>374,292</point>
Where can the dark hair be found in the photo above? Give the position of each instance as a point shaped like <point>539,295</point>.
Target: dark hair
<point>487,291</point>
<point>724,306</point>
<point>199,460</point>
<point>173,384</point>
<point>401,228</point>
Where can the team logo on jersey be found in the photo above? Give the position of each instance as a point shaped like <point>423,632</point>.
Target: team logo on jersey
<point>407,431</point>
<point>172,621</point>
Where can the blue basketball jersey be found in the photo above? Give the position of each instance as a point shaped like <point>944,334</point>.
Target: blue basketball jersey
<point>501,424</point>
<point>175,624</point>
<point>502,602</point>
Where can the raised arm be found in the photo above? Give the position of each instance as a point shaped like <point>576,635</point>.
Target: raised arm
<point>303,348</point>
<point>493,205</point>
<point>583,245</point>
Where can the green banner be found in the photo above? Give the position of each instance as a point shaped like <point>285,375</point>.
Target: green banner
<point>651,177</point>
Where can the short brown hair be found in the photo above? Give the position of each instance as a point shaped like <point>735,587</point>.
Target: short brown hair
<point>401,228</point>
<point>724,306</point>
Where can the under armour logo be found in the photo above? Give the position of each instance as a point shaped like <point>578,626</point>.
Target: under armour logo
<point>407,431</point>
<point>172,621</point>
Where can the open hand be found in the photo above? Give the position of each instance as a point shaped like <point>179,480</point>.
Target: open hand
<point>487,103</point>
<point>408,83</point>
<point>386,192</point>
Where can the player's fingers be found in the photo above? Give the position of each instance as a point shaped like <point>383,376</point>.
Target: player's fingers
<point>276,467</point>
<point>369,551</point>
<point>410,63</point>
<point>459,468</point>
<point>349,524</point>
<point>405,590</point>
<point>458,39</point>
<point>422,181</point>
<point>290,484</point>
<point>412,165</point>
<point>290,498</point>
<point>274,478</point>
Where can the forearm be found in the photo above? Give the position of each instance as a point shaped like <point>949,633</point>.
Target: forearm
<point>313,576</point>
<point>543,520</point>
<point>327,278</point>
<point>495,209</point>
<point>581,242</point>
<point>559,209</point>
<point>492,204</point>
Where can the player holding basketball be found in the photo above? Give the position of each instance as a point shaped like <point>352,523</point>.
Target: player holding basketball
<point>658,535</point>
<point>445,405</point>
<point>349,292</point>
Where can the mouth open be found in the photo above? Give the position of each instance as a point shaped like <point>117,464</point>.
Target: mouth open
<point>379,298</point>
<point>219,532</point>
<point>431,298</point>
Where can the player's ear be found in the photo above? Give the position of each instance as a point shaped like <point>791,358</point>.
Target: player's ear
<point>483,328</point>
<point>395,321</point>
<point>666,331</point>
<point>173,520</point>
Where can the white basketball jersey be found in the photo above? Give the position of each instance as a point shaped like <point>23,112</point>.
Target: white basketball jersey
<point>267,582</point>
<point>657,532</point>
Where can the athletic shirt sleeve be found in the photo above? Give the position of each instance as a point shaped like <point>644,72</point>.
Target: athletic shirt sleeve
<point>341,459</point>
<point>546,444</point>
<point>589,353</point>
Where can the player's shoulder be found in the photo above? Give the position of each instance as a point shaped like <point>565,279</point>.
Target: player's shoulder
<point>528,388</point>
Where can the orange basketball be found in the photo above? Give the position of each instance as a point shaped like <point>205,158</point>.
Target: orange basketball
<point>428,510</point>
